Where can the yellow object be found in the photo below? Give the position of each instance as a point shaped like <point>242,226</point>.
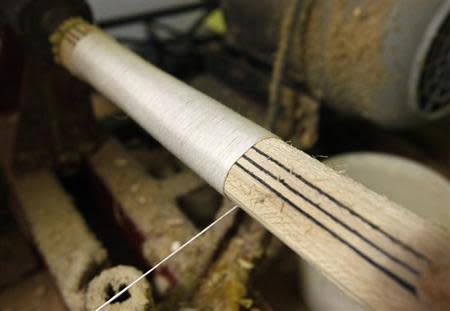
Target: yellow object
<point>216,22</point>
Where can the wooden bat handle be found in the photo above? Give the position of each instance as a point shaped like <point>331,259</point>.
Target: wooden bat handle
<point>384,256</point>
<point>376,251</point>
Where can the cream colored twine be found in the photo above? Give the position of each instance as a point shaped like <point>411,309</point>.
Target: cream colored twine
<point>204,134</point>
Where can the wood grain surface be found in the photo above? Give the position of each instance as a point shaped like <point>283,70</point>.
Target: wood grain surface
<point>376,251</point>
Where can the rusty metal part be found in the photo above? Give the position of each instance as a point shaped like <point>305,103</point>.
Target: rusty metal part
<point>113,280</point>
<point>225,287</point>
<point>70,250</point>
<point>146,210</point>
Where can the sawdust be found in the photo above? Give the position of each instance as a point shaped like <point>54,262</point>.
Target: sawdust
<point>70,250</point>
<point>149,206</point>
<point>343,52</point>
<point>225,287</point>
<point>113,280</point>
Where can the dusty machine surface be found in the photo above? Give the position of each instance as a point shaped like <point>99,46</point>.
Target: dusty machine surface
<point>88,200</point>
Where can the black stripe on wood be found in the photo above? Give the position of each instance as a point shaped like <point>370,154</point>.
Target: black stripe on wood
<point>408,248</point>
<point>403,283</point>
<point>334,218</point>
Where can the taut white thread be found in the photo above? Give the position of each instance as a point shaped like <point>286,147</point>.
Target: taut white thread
<point>168,257</point>
<point>201,132</point>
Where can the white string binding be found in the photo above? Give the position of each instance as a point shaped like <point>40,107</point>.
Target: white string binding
<point>168,257</point>
<point>202,133</point>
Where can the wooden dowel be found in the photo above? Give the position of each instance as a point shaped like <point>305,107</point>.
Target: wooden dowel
<point>377,252</point>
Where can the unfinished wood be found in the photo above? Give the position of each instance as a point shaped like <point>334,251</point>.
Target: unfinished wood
<point>376,251</point>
